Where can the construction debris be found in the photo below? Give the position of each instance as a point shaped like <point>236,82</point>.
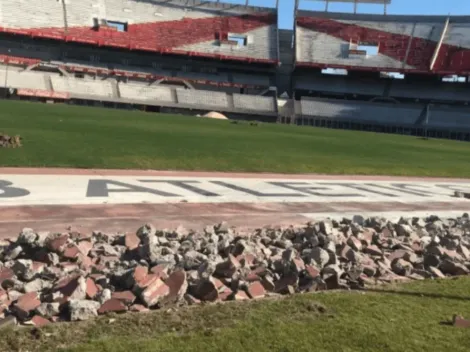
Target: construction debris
<point>10,142</point>
<point>460,322</point>
<point>48,277</point>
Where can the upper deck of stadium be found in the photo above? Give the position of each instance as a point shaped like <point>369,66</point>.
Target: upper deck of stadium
<point>195,28</point>
<point>421,44</point>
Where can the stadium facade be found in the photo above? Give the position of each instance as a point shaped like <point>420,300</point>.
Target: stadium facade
<point>400,74</point>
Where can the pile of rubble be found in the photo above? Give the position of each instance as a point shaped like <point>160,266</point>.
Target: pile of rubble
<point>73,276</point>
<point>9,142</point>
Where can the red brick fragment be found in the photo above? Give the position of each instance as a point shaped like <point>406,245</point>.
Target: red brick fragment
<point>71,251</point>
<point>252,277</point>
<point>91,288</point>
<point>229,267</point>
<point>131,241</point>
<point>460,322</point>
<point>84,262</point>
<point>367,236</point>
<point>127,297</point>
<point>256,290</point>
<point>26,304</point>
<point>84,247</point>
<point>3,296</point>
<point>57,244</point>
<point>138,308</point>
<point>178,284</point>
<point>299,264</point>
<point>139,276</point>
<point>219,285</point>
<point>155,292</point>
<point>161,270</point>
<point>39,321</point>
<point>226,294</point>
<point>6,274</point>
<point>147,281</point>
<point>112,306</point>
<point>312,272</point>
<point>240,296</point>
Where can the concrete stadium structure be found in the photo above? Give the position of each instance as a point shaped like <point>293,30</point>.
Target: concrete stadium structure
<point>177,55</point>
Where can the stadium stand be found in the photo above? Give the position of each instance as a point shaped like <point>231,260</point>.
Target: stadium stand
<point>24,79</point>
<point>197,28</point>
<point>202,98</point>
<point>137,93</point>
<point>82,87</point>
<point>144,92</point>
<point>449,118</point>
<point>393,73</point>
<point>438,91</point>
<point>422,44</point>
<point>339,85</point>
<point>360,111</point>
<point>379,72</point>
<point>253,103</point>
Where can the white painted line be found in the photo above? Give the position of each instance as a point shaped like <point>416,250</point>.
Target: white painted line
<point>86,189</point>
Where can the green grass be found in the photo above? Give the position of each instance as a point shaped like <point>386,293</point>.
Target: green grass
<point>72,136</point>
<point>406,318</point>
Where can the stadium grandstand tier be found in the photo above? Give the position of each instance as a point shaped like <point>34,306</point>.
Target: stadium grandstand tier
<point>402,118</point>
<point>404,73</point>
<point>449,118</point>
<point>360,111</point>
<point>439,91</point>
<point>385,88</point>
<point>204,29</point>
<point>145,92</point>
<point>24,79</point>
<point>339,84</point>
<point>82,87</point>
<point>421,44</point>
<point>202,98</point>
<point>35,82</point>
<point>133,65</point>
<point>253,103</point>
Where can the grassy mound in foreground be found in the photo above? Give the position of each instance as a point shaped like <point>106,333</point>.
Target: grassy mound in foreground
<point>403,318</point>
<point>73,136</point>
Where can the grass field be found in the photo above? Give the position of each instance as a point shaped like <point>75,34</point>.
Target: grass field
<point>72,136</point>
<point>405,319</point>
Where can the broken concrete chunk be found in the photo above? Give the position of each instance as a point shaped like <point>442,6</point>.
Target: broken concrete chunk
<point>83,309</point>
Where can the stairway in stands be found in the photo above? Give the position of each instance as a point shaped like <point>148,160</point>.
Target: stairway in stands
<point>422,116</point>
<point>64,12</point>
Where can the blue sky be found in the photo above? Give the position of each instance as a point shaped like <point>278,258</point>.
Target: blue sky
<point>412,7</point>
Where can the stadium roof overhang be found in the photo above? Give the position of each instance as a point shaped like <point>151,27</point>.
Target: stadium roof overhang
<point>355,2</point>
